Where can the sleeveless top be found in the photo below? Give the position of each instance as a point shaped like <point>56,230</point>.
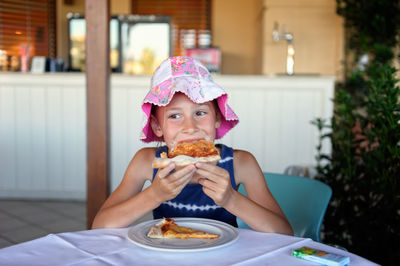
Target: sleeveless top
<point>192,201</point>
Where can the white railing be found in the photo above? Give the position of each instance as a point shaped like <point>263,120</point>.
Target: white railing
<point>43,127</point>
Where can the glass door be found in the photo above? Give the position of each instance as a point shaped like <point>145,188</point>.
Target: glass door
<point>146,42</point>
<point>77,39</point>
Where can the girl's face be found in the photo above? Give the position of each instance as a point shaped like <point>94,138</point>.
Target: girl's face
<point>183,120</point>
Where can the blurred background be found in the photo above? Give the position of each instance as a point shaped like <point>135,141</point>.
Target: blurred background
<point>314,82</point>
<point>143,32</point>
<point>282,56</point>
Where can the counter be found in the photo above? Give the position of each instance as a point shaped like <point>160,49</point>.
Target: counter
<point>43,126</point>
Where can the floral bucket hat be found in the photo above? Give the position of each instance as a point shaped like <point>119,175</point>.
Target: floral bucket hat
<point>189,76</point>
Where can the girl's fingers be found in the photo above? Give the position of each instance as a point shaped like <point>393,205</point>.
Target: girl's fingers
<point>178,178</point>
<point>210,168</point>
<point>168,185</point>
<point>212,194</point>
<point>165,171</point>
<point>208,192</point>
<point>181,172</point>
<point>177,185</point>
<point>183,180</point>
<point>209,175</point>
<point>211,172</point>
<point>210,185</point>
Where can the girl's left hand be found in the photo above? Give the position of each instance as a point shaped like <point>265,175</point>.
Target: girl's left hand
<point>216,183</point>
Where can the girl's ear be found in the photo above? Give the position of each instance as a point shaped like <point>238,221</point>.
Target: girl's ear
<point>155,126</point>
<point>218,120</point>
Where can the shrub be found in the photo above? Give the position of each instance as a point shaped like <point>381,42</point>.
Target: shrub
<point>364,169</point>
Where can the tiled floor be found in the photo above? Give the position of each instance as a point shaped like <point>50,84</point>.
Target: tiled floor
<point>23,220</point>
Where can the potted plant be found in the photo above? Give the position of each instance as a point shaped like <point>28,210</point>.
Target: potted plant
<point>364,167</point>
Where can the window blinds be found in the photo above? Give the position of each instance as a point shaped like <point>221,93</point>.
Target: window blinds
<point>185,15</point>
<point>29,22</point>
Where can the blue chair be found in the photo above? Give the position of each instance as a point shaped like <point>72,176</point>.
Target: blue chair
<point>303,201</point>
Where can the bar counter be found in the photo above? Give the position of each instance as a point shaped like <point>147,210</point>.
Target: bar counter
<point>43,126</point>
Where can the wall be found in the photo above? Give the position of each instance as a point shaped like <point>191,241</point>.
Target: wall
<point>244,33</point>
<point>237,30</point>
<point>318,36</point>
<point>43,127</point>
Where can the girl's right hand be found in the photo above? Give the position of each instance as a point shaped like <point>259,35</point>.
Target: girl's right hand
<point>167,185</point>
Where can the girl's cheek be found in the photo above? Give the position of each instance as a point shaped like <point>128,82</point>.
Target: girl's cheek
<point>172,144</point>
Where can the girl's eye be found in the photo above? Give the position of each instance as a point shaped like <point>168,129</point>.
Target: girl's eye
<point>174,116</point>
<point>201,113</point>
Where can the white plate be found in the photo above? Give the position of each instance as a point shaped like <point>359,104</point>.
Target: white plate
<point>227,235</point>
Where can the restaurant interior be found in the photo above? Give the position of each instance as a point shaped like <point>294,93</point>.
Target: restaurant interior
<point>287,60</point>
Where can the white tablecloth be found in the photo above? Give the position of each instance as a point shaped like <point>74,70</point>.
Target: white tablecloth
<point>111,247</point>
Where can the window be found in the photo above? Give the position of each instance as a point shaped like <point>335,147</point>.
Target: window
<point>27,22</point>
<point>77,42</point>
<point>185,15</point>
<point>145,43</point>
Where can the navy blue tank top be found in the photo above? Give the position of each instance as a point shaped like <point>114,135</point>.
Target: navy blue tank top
<point>192,201</point>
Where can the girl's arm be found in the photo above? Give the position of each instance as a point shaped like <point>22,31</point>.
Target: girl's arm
<point>260,210</point>
<point>128,203</point>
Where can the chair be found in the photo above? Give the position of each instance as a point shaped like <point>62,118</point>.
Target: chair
<point>303,201</point>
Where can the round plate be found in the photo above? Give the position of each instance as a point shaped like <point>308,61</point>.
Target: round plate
<point>227,235</point>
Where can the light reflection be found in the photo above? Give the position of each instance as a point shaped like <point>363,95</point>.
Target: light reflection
<point>145,46</point>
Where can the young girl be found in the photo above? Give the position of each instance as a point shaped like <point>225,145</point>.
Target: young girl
<point>184,104</point>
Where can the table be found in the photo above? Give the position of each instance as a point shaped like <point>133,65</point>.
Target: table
<point>111,247</point>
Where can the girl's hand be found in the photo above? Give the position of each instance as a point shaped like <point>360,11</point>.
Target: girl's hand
<point>167,185</point>
<point>216,183</point>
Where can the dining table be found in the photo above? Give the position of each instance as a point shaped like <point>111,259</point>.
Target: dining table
<point>118,246</point>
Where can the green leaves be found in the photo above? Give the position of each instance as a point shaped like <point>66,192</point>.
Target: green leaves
<point>364,167</point>
<point>371,21</point>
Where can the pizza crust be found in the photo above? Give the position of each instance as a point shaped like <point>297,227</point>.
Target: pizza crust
<point>155,230</point>
<point>167,228</point>
<point>183,160</point>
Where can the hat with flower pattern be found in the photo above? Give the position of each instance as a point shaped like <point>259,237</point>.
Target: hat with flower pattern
<point>186,75</point>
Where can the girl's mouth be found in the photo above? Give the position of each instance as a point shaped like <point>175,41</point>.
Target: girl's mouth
<point>190,140</point>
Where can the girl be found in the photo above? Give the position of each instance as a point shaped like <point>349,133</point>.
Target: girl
<point>184,104</point>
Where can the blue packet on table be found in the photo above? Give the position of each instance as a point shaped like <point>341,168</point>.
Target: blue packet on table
<point>320,256</point>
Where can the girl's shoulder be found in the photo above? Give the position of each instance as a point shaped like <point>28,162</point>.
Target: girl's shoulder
<point>245,165</point>
<point>145,156</point>
<point>243,157</point>
<point>146,153</point>
<point>140,165</point>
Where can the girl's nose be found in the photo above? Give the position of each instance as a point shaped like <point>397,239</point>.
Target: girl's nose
<point>189,125</point>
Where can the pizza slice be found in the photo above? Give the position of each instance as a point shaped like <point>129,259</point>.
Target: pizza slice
<point>167,228</point>
<point>186,153</point>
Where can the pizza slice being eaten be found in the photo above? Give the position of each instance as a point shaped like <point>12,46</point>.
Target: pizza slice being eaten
<point>167,228</point>
<point>186,153</point>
